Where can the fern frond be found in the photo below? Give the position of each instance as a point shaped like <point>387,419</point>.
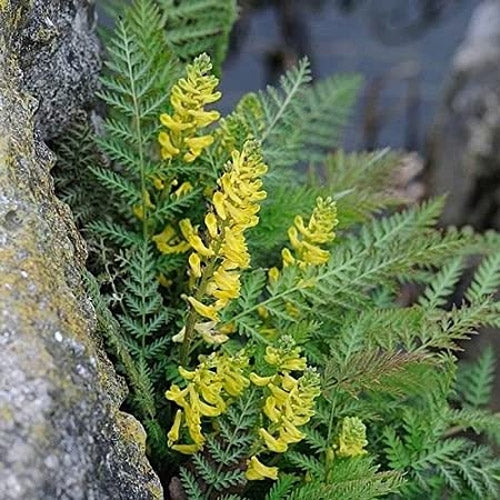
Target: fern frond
<point>441,287</point>
<point>281,488</point>
<point>75,184</point>
<point>486,279</point>
<point>220,467</point>
<point>324,112</point>
<point>301,121</point>
<point>362,183</point>
<point>199,26</point>
<point>351,479</point>
<point>115,233</point>
<point>475,380</point>
<point>371,371</point>
<point>137,375</point>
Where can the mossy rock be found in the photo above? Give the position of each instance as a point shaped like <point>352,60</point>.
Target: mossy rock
<point>62,434</point>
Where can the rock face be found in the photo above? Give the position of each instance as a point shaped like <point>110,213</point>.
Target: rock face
<point>58,55</point>
<point>62,435</point>
<point>465,139</point>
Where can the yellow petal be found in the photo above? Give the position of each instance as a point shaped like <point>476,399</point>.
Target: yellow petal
<point>288,258</point>
<point>176,394</point>
<point>257,471</point>
<point>271,410</point>
<point>173,434</point>
<point>214,338</point>
<point>204,310</point>
<point>209,411</point>
<point>273,444</point>
<point>183,189</point>
<point>186,374</point>
<point>211,223</point>
<point>174,125</point>
<point>179,337</point>
<point>204,118</point>
<point>199,143</point>
<point>186,449</point>
<point>294,364</point>
<point>195,265</point>
<point>218,202</point>
<point>168,150</point>
<point>194,240</point>
<point>274,274</point>
<point>290,433</point>
<point>260,381</point>
<point>158,183</point>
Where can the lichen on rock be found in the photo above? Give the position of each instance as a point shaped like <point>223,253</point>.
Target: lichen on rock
<point>62,434</point>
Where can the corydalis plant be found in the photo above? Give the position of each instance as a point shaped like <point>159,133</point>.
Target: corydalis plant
<point>296,372</point>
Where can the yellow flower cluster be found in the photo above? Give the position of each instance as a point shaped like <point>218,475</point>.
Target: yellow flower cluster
<point>188,98</point>
<point>289,405</point>
<point>215,265</point>
<point>352,438</point>
<point>306,240</point>
<point>217,379</point>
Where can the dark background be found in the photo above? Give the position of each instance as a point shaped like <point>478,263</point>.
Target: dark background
<point>402,48</point>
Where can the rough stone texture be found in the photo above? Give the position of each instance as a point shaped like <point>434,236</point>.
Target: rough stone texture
<point>62,436</point>
<point>58,53</point>
<point>464,153</point>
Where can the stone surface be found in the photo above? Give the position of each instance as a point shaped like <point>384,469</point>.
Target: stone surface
<point>62,435</point>
<point>464,152</point>
<point>58,53</point>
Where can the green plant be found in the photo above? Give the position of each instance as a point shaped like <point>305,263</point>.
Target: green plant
<point>262,301</point>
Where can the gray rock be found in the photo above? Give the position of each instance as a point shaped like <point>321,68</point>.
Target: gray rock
<point>62,435</point>
<point>464,153</point>
<point>58,53</point>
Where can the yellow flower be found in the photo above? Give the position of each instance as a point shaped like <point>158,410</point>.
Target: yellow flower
<point>196,145</point>
<point>278,445</point>
<point>183,190</point>
<point>217,379</point>
<point>286,356</point>
<point>195,265</point>
<point>256,470</point>
<point>274,274</point>
<point>352,438</point>
<point>173,434</point>
<point>290,433</point>
<point>168,241</point>
<point>188,98</point>
<point>289,406</point>
<point>209,334</point>
<point>192,237</point>
<point>168,150</point>
<point>260,381</point>
<point>186,449</point>
<point>306,240</point>
<point>235,205</point>
<point>211,223</point>
<point>209,312</point>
